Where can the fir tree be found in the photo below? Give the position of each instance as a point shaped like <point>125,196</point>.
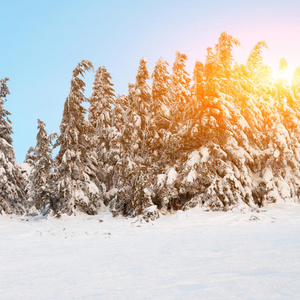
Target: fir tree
<point>181,86</point>
<point>281,84</point>
<point>12,198</point>
<point>41,175</point>
<point>161,95</point>
<point>199,82</point>
<point>30,157</point>
<point>134,196</point>
<point>224,64</point>
<point>100,117</point>
<point>78,188</point>
<point>211,74</point>
<point>101,100</point>
<point>258,78</point>
<point>224,50</point>
<point>255,58</point>
<point>161,86</point>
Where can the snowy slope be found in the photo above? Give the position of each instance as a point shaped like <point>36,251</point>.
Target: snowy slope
<point>188,255</point>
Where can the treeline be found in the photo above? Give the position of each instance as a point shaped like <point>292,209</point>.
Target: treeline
<point>227,136</point>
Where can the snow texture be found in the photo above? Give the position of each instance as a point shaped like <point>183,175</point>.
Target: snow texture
<point>187,255</point>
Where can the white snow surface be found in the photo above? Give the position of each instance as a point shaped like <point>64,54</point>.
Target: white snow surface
<point>187,255</point>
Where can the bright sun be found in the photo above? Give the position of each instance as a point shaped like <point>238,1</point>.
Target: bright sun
<point>285,75</point>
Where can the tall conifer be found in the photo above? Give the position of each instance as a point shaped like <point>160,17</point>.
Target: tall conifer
<point>12,197</point>
<point>77,185</point>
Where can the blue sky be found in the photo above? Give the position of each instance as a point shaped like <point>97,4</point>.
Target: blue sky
<point>42,41</point>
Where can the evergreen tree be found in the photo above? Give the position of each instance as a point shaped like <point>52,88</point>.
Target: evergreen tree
<point>141,109</point>
<point>142,90</point>
<point>258,75</point>
<point>101,100</point>
<point>78,188</point>
<point>224,64</point>
<point>100,117</point>
<point>134,196</point>
<point>30,157</point>
<point>161,86</point>
<point>181,87</point>
<point>161,96</point>
<point>41,175</point>
<point>199,82</point>
<point>12,198</point>
<point>255,58</point>
<point>224,51</point>
<point>281,85</point>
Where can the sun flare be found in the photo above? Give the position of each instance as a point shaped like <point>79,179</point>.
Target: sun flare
<point>283,75</point>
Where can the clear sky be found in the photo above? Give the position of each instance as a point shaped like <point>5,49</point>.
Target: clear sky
<point>43,40</point>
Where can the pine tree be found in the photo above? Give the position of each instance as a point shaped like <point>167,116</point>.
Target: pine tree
<point>199,82</point>
<point>30,157</point>
<point>161,85</point>
<point>281,84</point>
<point>100,117</point>
<point>258,75</point>
<point>134,195</point>
<point>162,115</point>
<point>41,175</point>
<point>181,87</point>
<point>224,64</point>
<point>119,139</point>
<point>255,58</point>
<point>141,109</point>
<point>78,188</point>
<point>161,95</point>
<point>101,99</point>
<point>224,50</point>
<point>12,197</point>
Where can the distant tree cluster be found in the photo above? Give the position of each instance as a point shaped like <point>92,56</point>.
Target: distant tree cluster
<point>227,137</point>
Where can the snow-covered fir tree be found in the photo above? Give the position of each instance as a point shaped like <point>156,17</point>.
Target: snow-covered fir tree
<point>199,82</point>
<point>181,88</point>
<point>30,157</point>
<point>41,179</point>
<point>161,88</point>
<point>100,117</point>
<point>77,185</point>
<point>134,197</point>
<point>12,197</point>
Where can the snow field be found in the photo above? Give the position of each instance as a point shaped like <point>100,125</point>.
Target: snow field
<point>188,255</point>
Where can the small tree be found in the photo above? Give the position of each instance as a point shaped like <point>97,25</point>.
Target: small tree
<point>41,175</point>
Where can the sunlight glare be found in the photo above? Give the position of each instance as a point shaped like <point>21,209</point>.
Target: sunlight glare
<point>285,75</point>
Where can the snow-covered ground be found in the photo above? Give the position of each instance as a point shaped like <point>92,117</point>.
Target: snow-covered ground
<point>188,255</point>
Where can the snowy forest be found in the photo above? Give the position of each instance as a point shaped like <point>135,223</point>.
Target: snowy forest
<point>227,136</point>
